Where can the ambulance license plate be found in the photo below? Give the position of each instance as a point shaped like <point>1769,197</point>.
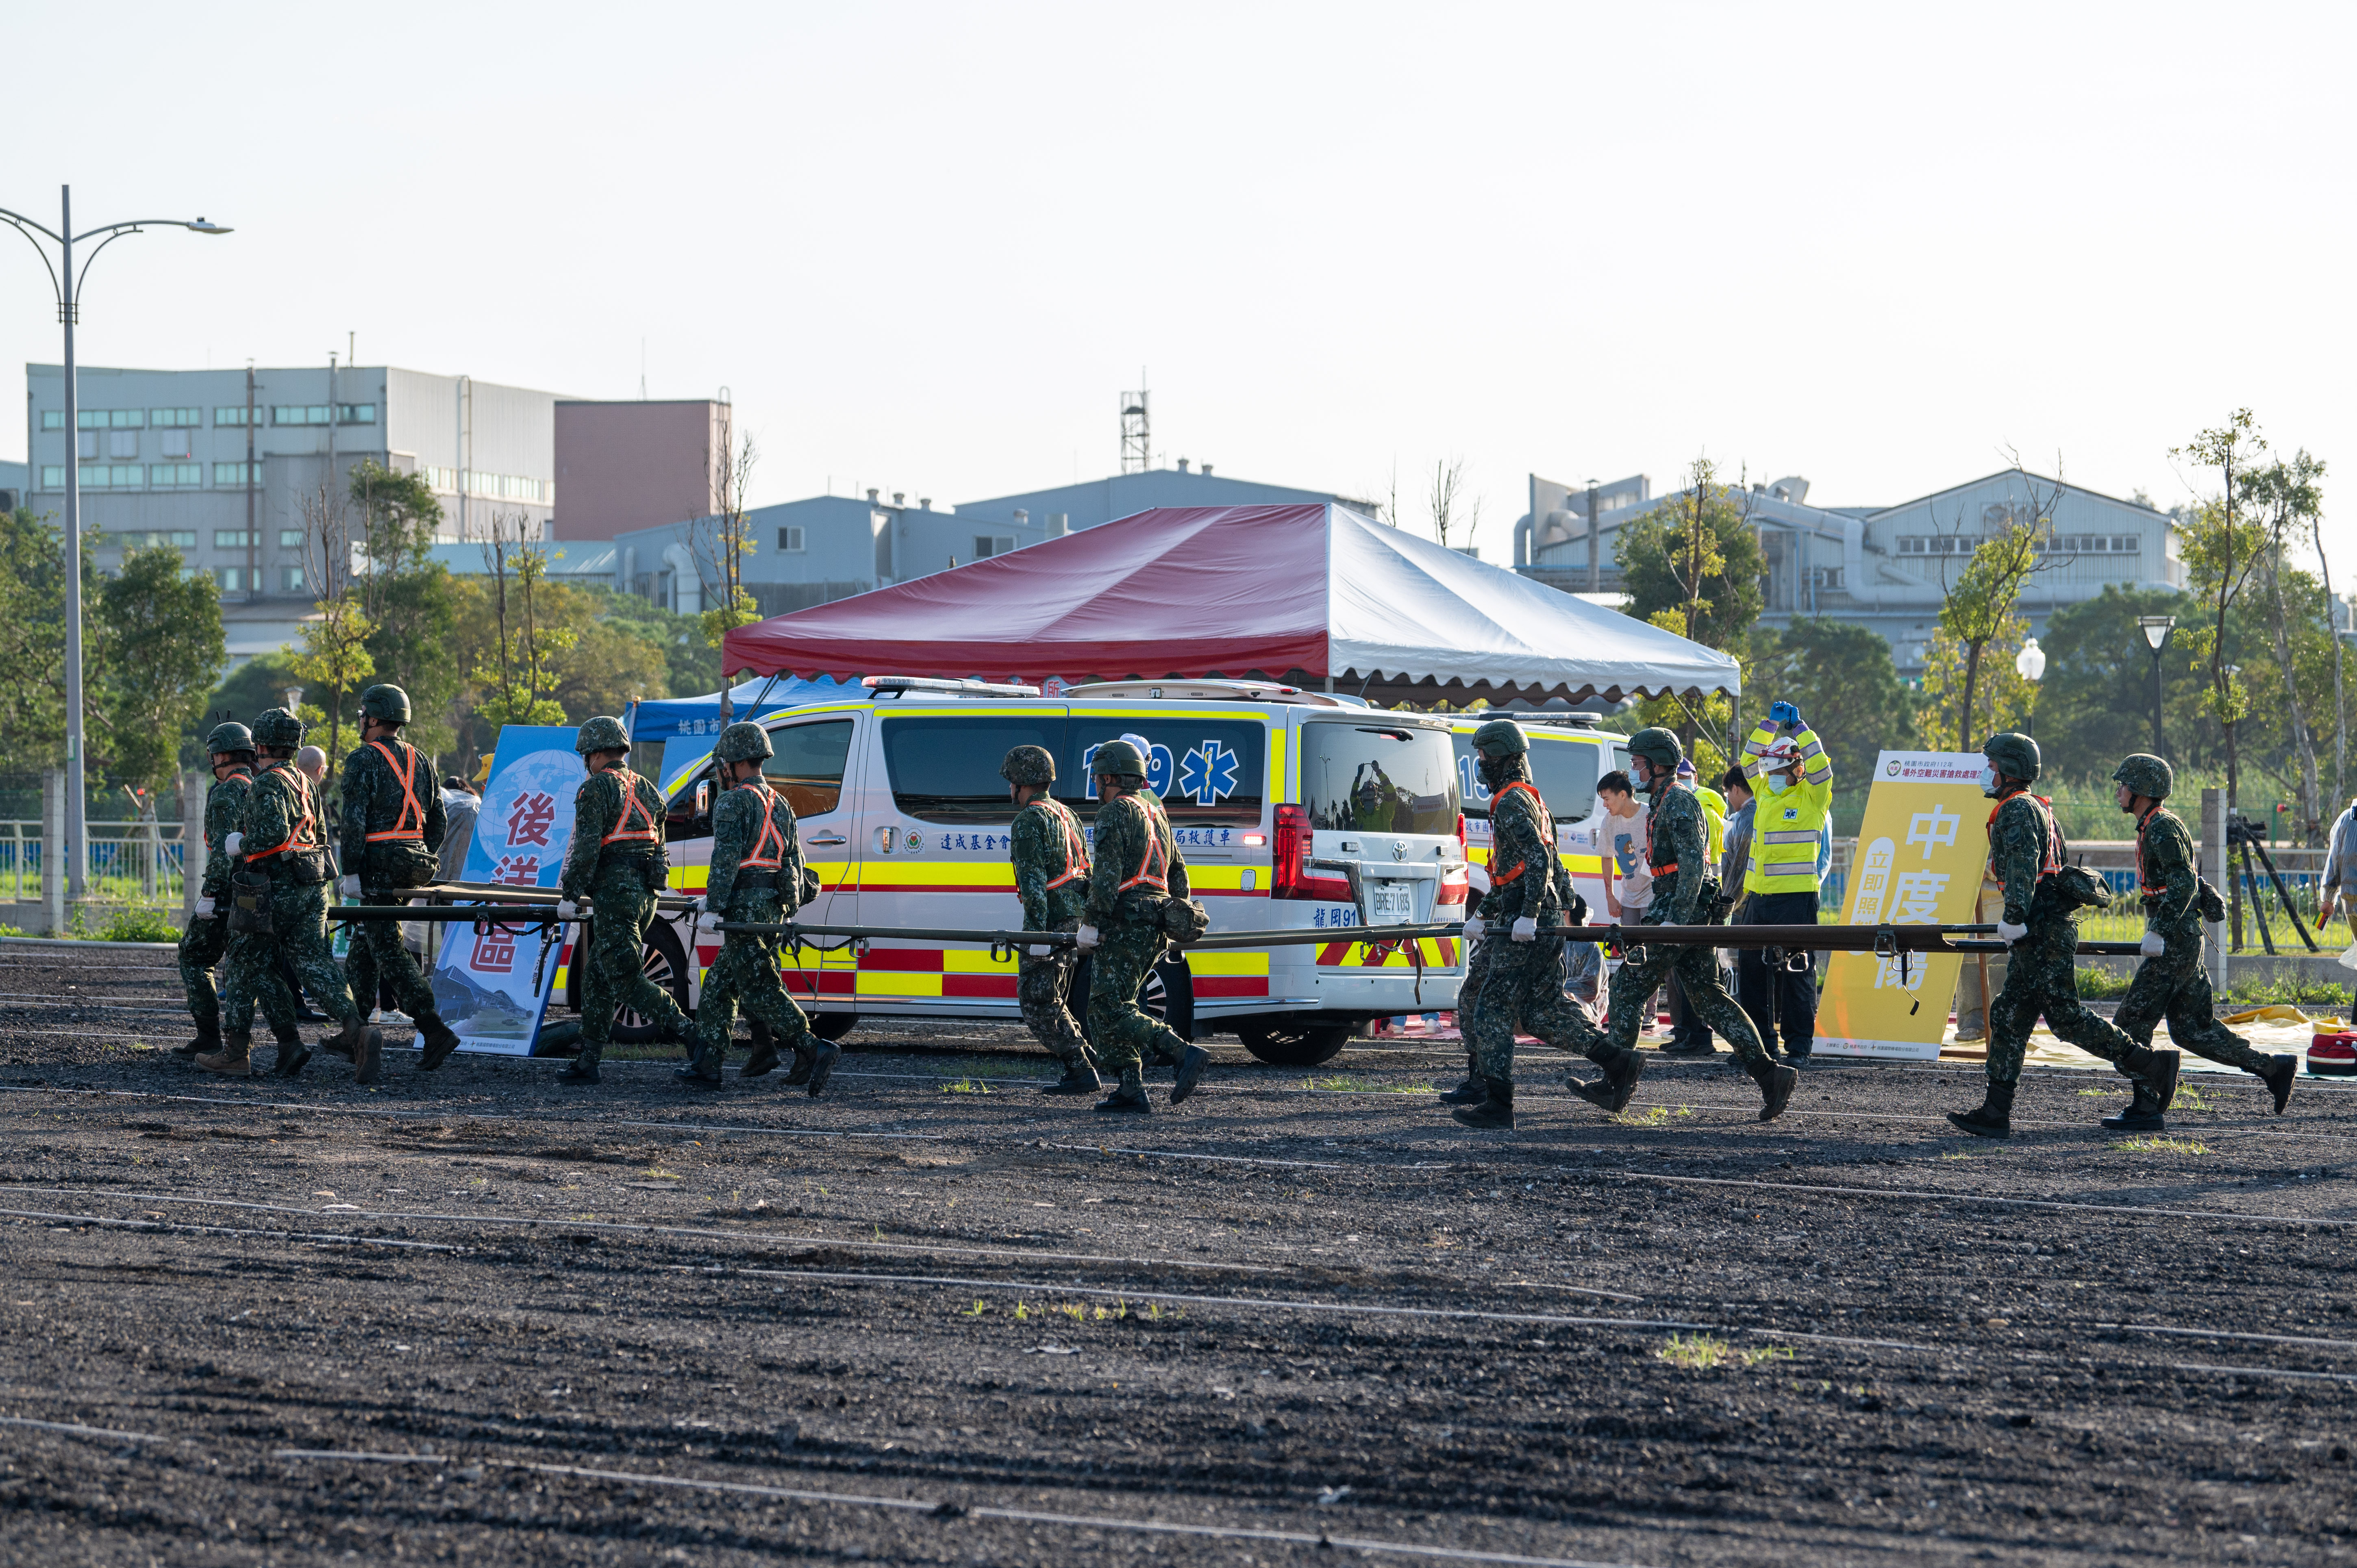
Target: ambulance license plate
<point>1391,903</point>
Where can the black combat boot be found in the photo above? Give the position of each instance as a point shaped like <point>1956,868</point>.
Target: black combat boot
<point>1994,1119</point>
<point>207,1042</point>
<point>1190,1072</point>
<point>292,1052</point>
<point>1080,1077</point>
<point>805,1062</point>
<point>1692,1046</point>
<point>581,1069</point>
<point>2157,1070</point>
<point>1611,1092</point>
<point>2143,1114</point>
<point>438,1038</point>
<point>1776,1083</point>
<point>1496,1110</point>
<point>703,1069</point>
<point>2278,1079</point>
<point>1129,1096</point>
<point>764,1059</point>
<point>1470,1091</point>
<point>823,1059</point>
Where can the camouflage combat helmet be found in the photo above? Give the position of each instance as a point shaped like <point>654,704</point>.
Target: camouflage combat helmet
<point>741,743</point>
<point>1118,760</point>
<point>2145,775</point>
<point>385,703</point>
<point>2013,754</point>
<point>277,728</point>
<point>601,734</point>
<point>1501,737</point>
<point>1659,746</point>
<point>1031,765</point>
<point>228,738</point>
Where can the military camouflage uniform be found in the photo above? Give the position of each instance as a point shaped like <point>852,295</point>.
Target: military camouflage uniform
<point>750,821</point>
<point>2040,974</point>
<point>204,944</point>
<point>2174,986</point>
<point>1676,854</point>
<point>376,807</point>
<point>620,880</point>
<point>284,841</point>
<point>1521,982</point>
<point>1052,877</point>
<point>1124,905</point>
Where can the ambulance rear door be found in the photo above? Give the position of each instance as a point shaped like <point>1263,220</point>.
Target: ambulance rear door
<point>816,765</point>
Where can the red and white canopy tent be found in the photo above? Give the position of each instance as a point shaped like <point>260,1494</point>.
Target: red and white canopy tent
<point>1302,593</point>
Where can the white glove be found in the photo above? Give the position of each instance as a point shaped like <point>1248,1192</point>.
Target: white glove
<point>1473,929</point>
<point>566,909</point>
<point>707,919</point>
<point>1526,930</point>
<point>234,844</point>
<point>2010,934</point>
<point>349,888</point>
<point>204,908</point>
<point>1085,937</point>
<point>2152,946</point>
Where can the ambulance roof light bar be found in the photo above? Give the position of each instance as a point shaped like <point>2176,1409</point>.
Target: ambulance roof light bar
<point>1210,691</point>
<point>881,685</point>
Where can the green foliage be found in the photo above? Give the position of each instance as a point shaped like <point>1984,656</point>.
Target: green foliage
<point>335,663</point>
<point>408,644</point>
<point>1694,557</point>
<point>692,664</point>
<point>260,682</point>
<point>2096,704</point>
<point>518,676</point>
<point>721,619</point>
<point>1968,664</point>
<point>161,649</point>
<point>399,513</point>
<point>136,924</point>
<point>32,640</point>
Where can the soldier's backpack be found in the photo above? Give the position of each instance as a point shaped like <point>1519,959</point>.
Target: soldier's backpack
<point>2209,901</point>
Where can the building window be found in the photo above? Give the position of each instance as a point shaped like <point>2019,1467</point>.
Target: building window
<point>290,538</point>
<point>175,418</point>
<point>123,443</point>
<point>790,539</point>
<point>53,475</point>
<point>290,579</point>
<point>1937,544</point>
<point>231,578</point>
<point>184,539</point>
<point>175,474</point>
<point>111,418</point>
<point>232,538</point>
<point>497,487</point>
<point>53,419</point>
<point>987,545</point>
<point>234,415</point>
<point>86,445</point>
<point>355,414</point>
<point>298,414</point>
<point>113,476</point>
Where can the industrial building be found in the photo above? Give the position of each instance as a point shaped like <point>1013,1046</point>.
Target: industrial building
<point>1881,566</point>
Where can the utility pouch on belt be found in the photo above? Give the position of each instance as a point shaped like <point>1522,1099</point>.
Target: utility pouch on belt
<point>807,889</point>
<point>402,863</point>
<point>2212,906</point>
<point>306,867</point>
<point>1183,919</point>
<point>2081,888</point>
<point>657,870</point>
<point>249,904</point>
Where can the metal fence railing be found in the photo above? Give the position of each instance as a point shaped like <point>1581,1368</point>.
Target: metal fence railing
<point>128,863</point>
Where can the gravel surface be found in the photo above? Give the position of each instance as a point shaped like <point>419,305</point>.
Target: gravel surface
<point>480,1315</point>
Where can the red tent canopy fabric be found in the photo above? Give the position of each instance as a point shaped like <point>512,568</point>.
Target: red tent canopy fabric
<point>1306,591</point>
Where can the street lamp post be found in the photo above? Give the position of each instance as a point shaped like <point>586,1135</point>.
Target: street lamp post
<point>2031,665</point>
<point>65,284</point>
<point>2156,630</point>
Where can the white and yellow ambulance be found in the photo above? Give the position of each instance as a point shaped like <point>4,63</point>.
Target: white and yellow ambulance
<point>1295,811</point>
<point>1568,755</point>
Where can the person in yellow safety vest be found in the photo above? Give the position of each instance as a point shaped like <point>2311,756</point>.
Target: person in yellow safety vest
<point>1689,1036</point>
<point>1793,784</point>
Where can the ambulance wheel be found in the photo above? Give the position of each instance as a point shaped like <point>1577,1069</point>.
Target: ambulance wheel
<point>666,963</point>
<point>832,1025</point>
<point>1281,1042</point>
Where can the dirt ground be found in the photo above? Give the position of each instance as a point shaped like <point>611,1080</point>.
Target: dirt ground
<point>479,1315</point>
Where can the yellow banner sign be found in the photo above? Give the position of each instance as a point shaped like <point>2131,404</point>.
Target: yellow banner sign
<point>1920,854</point>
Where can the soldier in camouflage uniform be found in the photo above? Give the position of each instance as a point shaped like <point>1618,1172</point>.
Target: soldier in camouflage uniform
<point>2040,926</point>
<point>1051,876</point>
<point>756,878</point>
<point>280,886</point>
<point>1521,979</point>
<point>2170,983</point>
<point>1685,885</point>
<point>208,937</point>
<point>393,833</point>
<point>1136,876</point>
<point>616,862</point>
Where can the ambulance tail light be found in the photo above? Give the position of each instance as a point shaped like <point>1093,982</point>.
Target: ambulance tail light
<point>1455,890</point>
<point>1290,876</point>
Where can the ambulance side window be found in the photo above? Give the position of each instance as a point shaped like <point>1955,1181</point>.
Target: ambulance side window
<point>807,763</point>
<point>1565,771</point>
<point>689,815</point>
<point>946,769</point>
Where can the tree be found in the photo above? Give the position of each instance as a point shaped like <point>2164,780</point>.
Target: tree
<point>334,660</point>
<point>161,647</point>
<point>606,670</point>
<point>2221,550</point>
<point>520,684</point>
<point>32,640</point>
<point>1451,506</point>
<point>1693,565</point>
<point>2097,700</point>
<point>720,544</point>
<point>408,597</point>
<point>1842,680</point>
<point>2288,499</point>
<point>691,665</point>
<point>1977,615</point>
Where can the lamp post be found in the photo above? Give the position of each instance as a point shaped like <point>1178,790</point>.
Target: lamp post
<point>2156,630</point>
<point>65,284</point>
<point>2031,665</point>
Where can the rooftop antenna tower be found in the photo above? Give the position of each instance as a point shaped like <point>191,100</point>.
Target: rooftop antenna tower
<point>1137,432</point>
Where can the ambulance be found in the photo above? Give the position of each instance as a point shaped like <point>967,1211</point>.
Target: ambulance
<point>1567,754</point>
<point>1294,810</point>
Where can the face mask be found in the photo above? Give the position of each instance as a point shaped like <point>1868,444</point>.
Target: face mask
<point>1775,783</point>
<point>1988,782</point>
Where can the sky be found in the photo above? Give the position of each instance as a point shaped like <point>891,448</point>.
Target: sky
<point>926,247</point>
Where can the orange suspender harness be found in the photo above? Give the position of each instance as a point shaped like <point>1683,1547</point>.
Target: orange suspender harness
<point>1154,865</point>
<point>1076,849</point>
<point>634,810</point>
<point>2050,862</point>
<point>2145,885</point>
<point>1669,870</point>
<point>411,812</point>
<point>769,850</point>
<point>1546,825</point>
<point>298,834</point>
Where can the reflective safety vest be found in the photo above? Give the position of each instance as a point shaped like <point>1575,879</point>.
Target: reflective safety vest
<point>1498,876</point>
<point>1154,865</point>
<point>1786,825</point>
<point>1076,846</point>
<point>769,850</point>
<point>410,823</point>
<point>303,833</point>
<point>1714,820</point>
<point>637,824</point>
